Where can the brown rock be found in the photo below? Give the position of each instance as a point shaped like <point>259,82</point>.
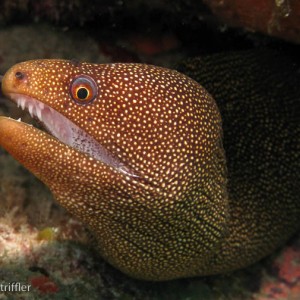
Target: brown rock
<point>280,18</point>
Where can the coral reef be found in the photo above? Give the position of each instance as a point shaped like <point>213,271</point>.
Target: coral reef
<point>37,236</point>
<point>284,280</point>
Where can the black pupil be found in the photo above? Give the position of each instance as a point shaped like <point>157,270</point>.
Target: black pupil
<point>82,93</point>
<point>19,75</point>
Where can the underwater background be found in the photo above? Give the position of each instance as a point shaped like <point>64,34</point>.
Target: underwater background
<point>40,243</point>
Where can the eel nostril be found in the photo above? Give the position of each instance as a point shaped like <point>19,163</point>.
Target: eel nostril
<point>19,75</point>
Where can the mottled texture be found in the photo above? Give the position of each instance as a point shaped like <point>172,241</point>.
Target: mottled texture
<point>165,131</point>
<point>158,206</point>
<point>258,95</point>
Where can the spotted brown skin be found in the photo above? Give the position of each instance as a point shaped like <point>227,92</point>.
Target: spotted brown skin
<point>166,130</point>
<point>160,202</point>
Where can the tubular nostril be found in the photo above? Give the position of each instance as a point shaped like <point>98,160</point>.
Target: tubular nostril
<point>19,75</point>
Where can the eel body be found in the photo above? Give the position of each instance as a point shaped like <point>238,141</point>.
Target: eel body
<point>138,154</point>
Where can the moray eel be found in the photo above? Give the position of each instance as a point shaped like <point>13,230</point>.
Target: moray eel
<point>138,154</point>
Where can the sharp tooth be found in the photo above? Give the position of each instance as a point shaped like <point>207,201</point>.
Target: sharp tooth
<point>39,113</point>
<point>23,103</point>
<point>41,105</point>
<point>18,102</point>
<point>30,108</point>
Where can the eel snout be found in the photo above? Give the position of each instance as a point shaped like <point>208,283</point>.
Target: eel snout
<point>14,80</point>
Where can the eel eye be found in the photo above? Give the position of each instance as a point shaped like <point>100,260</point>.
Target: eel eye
<point>83,89</point>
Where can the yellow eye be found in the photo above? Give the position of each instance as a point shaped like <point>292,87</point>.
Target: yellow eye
<point>83,89</point>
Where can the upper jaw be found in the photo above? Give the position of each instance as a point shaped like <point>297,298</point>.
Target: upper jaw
<point>58,125</point>
<point>67,132</point>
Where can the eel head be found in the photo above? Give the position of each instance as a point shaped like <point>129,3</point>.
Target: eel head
<point>134,151</point>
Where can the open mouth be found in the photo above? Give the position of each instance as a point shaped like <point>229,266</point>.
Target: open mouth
<point>67,132</point>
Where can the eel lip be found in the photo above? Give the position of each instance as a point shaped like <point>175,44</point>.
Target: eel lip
<point>67,132</point>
